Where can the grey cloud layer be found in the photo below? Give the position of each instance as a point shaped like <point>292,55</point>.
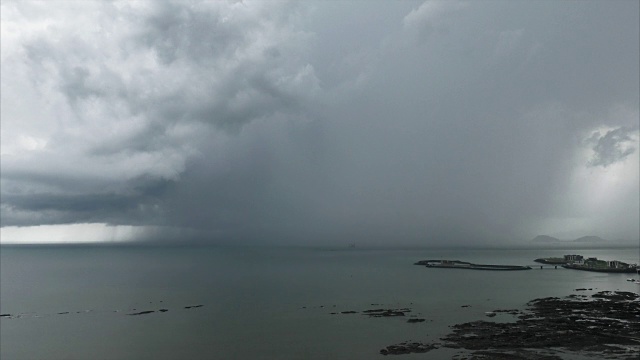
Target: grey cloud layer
<point>614,146</point>
<point>408,122</point>
<point>139,93</point>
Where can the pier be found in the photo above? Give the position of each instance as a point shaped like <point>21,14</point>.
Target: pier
<point>547,266</point>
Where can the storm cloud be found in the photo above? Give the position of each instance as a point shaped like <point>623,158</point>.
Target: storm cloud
<point>323,122</point>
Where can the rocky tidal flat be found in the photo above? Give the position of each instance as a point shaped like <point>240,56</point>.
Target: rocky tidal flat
<point>382,313</point>
<point>127,312</point>
<point>605,325</point>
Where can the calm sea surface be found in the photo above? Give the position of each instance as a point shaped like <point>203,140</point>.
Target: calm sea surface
<point>259,303</point>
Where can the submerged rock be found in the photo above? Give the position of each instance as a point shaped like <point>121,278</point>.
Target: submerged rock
<point>143,312</point>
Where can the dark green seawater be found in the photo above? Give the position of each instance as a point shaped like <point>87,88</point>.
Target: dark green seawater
<point>259,302</point>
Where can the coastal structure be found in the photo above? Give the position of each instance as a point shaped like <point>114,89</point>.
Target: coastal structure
<point>578,262</point>
<point>456,264</point>
<point>574,258</point>
<point>566,259</point>
<point>594,264</point>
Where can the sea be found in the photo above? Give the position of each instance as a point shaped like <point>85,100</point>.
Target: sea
<point>261,302</point>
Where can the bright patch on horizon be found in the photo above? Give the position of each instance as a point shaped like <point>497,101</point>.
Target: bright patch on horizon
<point>600,183</point>
<point>68,234</point>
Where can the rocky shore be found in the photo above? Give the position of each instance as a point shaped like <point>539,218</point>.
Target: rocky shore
<point>605,325</point>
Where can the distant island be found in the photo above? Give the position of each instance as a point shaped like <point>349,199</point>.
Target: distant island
<point>546,239</point>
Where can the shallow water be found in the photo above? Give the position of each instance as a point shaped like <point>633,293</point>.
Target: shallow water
<point>259,302</point>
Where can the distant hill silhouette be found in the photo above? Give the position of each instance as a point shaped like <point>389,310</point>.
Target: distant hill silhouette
<point>545,239</point>
<point>590,238</point>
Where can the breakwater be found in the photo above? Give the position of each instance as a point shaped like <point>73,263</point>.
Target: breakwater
<point>456,264</point>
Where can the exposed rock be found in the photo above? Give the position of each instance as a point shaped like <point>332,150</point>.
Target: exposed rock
<point>510,355</point>
<point>412,321</point>
<point>604,326</point>
<point>386,312</point>
<point>143,312</point>
<point>508,311</point>
<point>193,306</point>
<point>616,295</point>
<point>407,348</point>
<point>576,325</point>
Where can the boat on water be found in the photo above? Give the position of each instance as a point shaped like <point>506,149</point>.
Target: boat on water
<point>457,264</point>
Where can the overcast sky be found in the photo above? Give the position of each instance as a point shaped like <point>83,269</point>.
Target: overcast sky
<point>396,122</point>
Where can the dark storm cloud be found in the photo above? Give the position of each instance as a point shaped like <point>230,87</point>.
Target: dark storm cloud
<point>214,42</point>
<point>410,122</point>
<point>84,205</point>
<point>136,95</point>
<point>139,205</point>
